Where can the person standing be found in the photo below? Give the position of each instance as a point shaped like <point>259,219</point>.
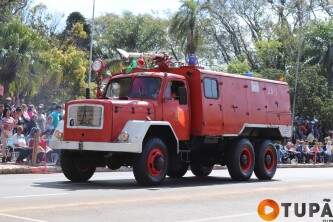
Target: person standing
<point>7,127</point>
<point>56,116</point>
<point>328,151</point>
<point>41,120</point>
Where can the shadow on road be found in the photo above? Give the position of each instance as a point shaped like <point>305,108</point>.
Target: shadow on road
<point>126,184</point>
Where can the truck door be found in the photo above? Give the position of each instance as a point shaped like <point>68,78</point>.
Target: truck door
<point>175,113</point>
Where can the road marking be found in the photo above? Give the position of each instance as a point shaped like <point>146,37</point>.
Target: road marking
<point>36,195</point>
<point>21,218</point>
<point>219,218</point>
<point>159,199</point>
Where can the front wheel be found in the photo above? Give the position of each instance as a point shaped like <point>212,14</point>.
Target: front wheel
<point>76,167</point>
<point>150,167</point>
<point>266,161</point>
<point>241,160</point>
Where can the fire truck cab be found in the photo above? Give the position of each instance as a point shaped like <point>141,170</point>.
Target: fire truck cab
<point>163,122</point>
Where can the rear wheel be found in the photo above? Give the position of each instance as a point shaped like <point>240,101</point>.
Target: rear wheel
<point>266,161</point>
<point>241,160</point>
<point>200,170</point>
<point>150,167</point>
<point>76,166</point>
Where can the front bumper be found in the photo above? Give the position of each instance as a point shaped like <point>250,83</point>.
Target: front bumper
<point>96,146</point>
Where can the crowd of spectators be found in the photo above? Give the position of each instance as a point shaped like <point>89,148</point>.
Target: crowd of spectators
<point>26,129</point>
<point>304,151</point>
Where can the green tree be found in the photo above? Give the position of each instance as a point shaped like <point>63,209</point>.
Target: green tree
<point>78,30</point>
<point>19,47</point>
<point>185,26</point>
<point>268,52</point>
<point>238,66</point>
<point>10,8</point>
<point>133,33</point>
<point>318,47</point>
<point>314,98</point>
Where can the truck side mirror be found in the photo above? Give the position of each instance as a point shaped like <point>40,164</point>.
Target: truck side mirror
<point>182,96</point>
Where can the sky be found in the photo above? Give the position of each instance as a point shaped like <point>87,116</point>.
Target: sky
<point>65,7</point>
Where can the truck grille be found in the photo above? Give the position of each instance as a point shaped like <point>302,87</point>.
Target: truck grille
<point>85,116</point>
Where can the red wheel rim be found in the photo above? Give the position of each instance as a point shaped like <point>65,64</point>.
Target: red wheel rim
<point>153,156</point>
<point>246,159</point>
<point>269,154</point>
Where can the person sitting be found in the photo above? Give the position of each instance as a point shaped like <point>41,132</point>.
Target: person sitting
<point>299,151</point>
<point>43,150</point>
<point>20,145</point>
<point>306,152</point>
<point>295,151</point>
<point>315,153</point>
<point>282,153</point>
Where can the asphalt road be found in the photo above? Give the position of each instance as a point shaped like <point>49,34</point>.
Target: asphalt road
<point>115,196</point>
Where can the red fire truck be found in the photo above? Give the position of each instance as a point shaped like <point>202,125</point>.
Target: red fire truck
<point>164,120</point>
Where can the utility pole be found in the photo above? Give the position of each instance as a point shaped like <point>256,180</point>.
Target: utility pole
<point>91,48</point>
<point>298,66</point>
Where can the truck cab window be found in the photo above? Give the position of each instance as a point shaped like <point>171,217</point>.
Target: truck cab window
<point>211,90</point>
<point>171,91</point>
<point>118,88</point>
<point>139,87</point>
<point>145,88</point>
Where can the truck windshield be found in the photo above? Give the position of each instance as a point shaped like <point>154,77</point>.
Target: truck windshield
<point>139,87</point>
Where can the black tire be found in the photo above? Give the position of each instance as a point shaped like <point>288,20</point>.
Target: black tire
<point>200,170</point>
<point>178,170</point>
<point>241,160</point>
<point>75,167</point>
<point>150,167</point>
<point>266,161</point>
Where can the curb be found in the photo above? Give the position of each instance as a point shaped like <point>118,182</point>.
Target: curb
<point>290,166</point>
<point>56,169</point>
<point>16,169</point>
<point>310,165</point>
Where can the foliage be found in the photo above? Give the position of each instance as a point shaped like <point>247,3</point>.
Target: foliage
<point>238,67</point>
<point>133,33</point>
<point>314,97</point>
<point>185,28</point>
<point>268,52</point>
<point>77,30</point>
<point>19,51</point>
<point>8,8</point>
<point>318,47</point>
<point>30,63</point>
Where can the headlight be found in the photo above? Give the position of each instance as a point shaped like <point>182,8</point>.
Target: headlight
<point>123,136</point>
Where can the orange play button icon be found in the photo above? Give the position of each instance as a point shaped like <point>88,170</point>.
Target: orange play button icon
<point>268,210</point>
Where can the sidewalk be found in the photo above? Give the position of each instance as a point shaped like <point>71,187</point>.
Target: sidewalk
<point>9,168</point>
<point>26,169</point>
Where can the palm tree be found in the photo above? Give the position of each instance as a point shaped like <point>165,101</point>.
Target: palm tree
<point>184,26</point>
